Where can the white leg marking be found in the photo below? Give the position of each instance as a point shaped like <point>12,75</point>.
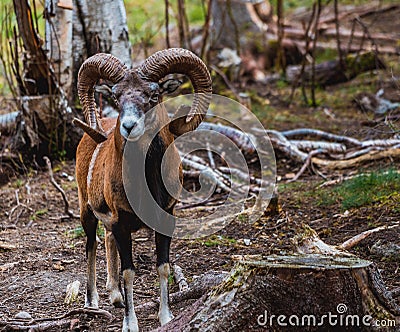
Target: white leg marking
<point>112,271</point>
<point>164,313</point>
<point>92,297</point>
<point>130,321</point>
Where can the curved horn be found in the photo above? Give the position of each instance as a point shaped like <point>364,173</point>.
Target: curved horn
<point>101,65</point>
<point>181,61</point>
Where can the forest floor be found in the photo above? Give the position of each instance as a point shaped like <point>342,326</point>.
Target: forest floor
<point>41,253</point>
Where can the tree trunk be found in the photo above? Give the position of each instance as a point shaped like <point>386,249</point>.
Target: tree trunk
<point>100,26</point>
<point>47,84</point>
<point>59,41</point>
<point>305,292</point>
<point>235,24</point>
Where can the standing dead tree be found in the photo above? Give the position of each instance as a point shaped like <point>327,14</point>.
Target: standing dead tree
<point>45,71</point>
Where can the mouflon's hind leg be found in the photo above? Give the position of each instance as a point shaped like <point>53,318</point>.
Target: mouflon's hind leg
<point>123,241</point>
<point>89,224</point>
<point>162,247</point>
<point>113,285</point>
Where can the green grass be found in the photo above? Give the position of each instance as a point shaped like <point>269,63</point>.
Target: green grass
<point>381,187</point>
<point>374,189</point>
<point>38,213</point>
<point>78,232</point>
<point>216,240</point>
<point>146,19</point>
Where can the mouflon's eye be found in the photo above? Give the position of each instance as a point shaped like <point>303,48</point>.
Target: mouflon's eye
<point>154,97</point>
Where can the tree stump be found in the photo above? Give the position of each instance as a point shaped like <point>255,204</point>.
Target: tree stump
<point>310,292</point>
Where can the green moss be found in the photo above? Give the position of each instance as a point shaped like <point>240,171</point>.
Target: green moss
<point>217,240</point>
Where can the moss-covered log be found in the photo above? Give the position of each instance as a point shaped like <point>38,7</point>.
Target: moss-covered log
<point>331,72</point>
<point>297,293</point>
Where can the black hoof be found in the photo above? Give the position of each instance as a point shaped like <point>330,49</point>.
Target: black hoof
<point>119,305</point>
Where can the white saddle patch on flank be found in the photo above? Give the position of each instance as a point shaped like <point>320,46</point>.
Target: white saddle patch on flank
<point>92,163</point>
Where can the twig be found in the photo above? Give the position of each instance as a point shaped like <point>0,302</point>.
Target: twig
<point>58,187</point>
<point>210,156</point>
<point>88,311</point>
<point>314,53</point>
<point>62,325</point>
<point>350,243</point>
<point>339,49</point>
<point>19,204</point>
<point>167,24</point>
<point>56,322</point>
<point>226,80</point>
<point>306,164</point>
<point>206,171</point>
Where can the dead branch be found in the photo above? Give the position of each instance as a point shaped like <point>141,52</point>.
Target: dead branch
<point>59,322</point>
<point>62,325</point>
<point>242,175</point>
<point>213,175</point>
<point>78,311</point>
<point>350,243</point>
<point>321,134</point>
<point>373,155</point>
<point>18,205</point>
<point>305,165</point>
<point>314,145</point>
<point>245,141</point>
<point>210,156</point>
<point>197,288</point>
<point>69,212</point>
<point>226,80</point>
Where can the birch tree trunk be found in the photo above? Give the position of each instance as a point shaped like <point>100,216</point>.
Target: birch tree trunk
<point>100,26</point>
<point>59,41</point>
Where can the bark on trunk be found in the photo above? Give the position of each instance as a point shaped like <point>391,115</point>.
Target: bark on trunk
<point>235,24</point>
<point>59,41</point>
<point>100,26</point>
<point>297,291</point>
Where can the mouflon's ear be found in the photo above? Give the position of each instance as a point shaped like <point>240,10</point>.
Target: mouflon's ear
<point>170,86</point>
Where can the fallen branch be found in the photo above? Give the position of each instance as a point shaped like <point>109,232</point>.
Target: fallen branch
<point>350,243</point>
<point>305,165</point>
<point>321,134</point>
<point>61,190</point>
<point>62,325</point>
<point>245,141</point>
<point>319,145</point>
<point>373,155</point>
<point>18,205</point>
<point>197,288</point>
<point>55,322</point>
<point>208,172</point>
